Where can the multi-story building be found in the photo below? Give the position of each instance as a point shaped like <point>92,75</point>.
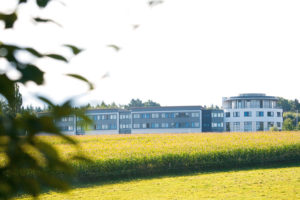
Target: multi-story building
<point>251,112</point>
<point>173,119</point>
<point>244,113</point>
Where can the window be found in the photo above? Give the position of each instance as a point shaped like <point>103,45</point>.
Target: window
<point>259,126</point>
<point>270,124</point>
<point>163,115</point>
<point>220,124</point>
<point>278,124</point>
<point>155,115</point>
<point>164,125</point>
<point>97,126</point>
<point>227,114</point>
<point>136,116</point>
<point>236,126</point>
<point>113,116</point>
<point>220,114</point>
<point>70,119</point>
<point>214,125</point>
<point>113,126</point>
<point>154,125</point>
<point>236,114</point>
<point>172,125</point>
<point>183,115</point>
<point>247,126</point>
<point>172,115</point>
<point>270,114</point>
<point>247,114</point>
<point>195,124</point>
<point>136,125</point>
<point>227,126</point>
<point>95,117</point>
<point>214,114</point>
<point>278,114</point>
<point>259,114</point>
<point>195,114</point>
<point>104,126</point>
<point>64,119</point>
<point>70,128</point>
<point>98,117</point>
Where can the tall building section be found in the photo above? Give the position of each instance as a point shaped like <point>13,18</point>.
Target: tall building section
<point>251,112</point>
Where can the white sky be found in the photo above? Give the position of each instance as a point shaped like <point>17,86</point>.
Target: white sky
<point>185,52</point>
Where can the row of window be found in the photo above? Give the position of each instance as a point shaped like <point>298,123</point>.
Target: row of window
<point>166,115</point>
<point>219,114</point>
<point>66,128</point>
<point>168,125</point>
<point>251,104</point>
<point>103,117</point>
<point>125,116</point>
<point>217,125</point>
<point>249,114</point>
<point>123,126</point>
<point>66,119</point>
<point>105,126</point>
<point>248,126</point>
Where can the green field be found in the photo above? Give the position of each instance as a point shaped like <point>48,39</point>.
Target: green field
<point>140,155</point>
<point>280,183</point>
<point>129,166</point>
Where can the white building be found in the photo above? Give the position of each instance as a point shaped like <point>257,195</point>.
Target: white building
<point>251,112</point>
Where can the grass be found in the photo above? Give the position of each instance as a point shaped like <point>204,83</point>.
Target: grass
<point>144,155</point>
<point>280,183</point>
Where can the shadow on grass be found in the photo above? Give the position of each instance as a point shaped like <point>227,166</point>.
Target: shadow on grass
<point>90,182</point>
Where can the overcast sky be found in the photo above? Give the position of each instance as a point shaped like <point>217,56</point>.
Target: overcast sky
<point>181,52</point>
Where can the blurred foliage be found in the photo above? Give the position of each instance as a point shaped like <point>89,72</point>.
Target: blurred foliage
<point>28,163</point>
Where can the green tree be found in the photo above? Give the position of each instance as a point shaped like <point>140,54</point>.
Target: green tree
<point>21,170</point>
<point>288,125</point>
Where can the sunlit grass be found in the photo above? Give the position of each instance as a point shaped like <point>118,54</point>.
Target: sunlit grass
<point>280,183</point>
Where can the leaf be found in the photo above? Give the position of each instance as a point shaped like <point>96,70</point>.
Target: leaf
<point>74,49</point>
<point>115,47</point>
<point>33,52</point>
<point>42,3</point>
<point>6,87</point>
<point>82,79</point>
<point>57,57</point>
<point>9,19</point>
<point>31,73</point>
<point>22,1</point>
<point>154,2</point>
<point>47,101</point>
<point>41,20</point>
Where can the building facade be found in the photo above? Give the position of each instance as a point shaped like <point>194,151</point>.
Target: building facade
<point>251,112</point>
<point>243,113</point>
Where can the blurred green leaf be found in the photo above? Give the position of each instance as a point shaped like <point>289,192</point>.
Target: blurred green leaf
<point>8,19</point>
<point>22,1</point>
<point>115,47</point>
<point>74,49</point>
<point>42,3</point>
<point>6,87</point>
<point>57,57</point>
<point>82,79</point>
<point>31,73</point>
<point>42,20</point>
<point>33,52</point>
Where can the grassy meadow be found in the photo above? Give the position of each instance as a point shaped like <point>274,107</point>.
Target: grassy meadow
<point>153,154</point>
<point>273,183</point>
